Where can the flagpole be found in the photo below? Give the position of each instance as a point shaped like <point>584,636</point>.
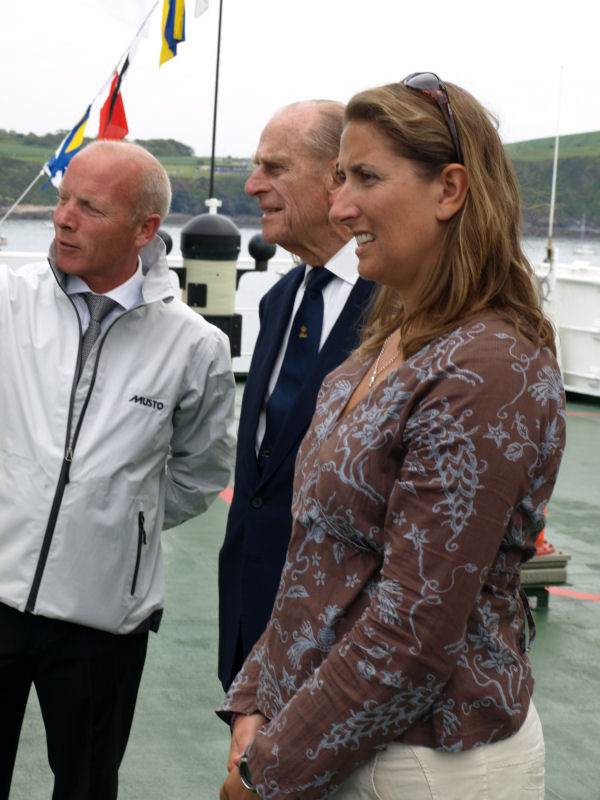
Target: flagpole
<point>214,130</point>
<point>16,203</point>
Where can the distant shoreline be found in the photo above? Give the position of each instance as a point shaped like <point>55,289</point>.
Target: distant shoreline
<point>28,211</point>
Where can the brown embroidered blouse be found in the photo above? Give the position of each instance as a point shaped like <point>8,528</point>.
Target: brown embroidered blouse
<point>399,614</point>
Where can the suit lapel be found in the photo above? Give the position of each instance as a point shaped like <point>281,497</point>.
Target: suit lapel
<point>274,321</point>
<point>343,338</point>
<point>345,334</point>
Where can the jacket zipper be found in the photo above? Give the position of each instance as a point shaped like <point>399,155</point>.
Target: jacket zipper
<point>141,541</point>
<point>63,478</point>
<point>58,495</point>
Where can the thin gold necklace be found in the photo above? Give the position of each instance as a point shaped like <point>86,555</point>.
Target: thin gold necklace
<point>377,371</point>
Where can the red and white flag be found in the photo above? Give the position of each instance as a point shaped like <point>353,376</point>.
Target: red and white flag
<point>113,122</point>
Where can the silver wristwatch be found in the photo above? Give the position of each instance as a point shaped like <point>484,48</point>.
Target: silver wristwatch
<point>245,776</point>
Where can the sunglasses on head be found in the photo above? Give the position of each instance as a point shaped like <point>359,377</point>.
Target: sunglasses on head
<point>429,84</point>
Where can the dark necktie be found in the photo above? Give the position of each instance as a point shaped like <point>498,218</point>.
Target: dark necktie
<point>300,355</point>
<point>99,306</point>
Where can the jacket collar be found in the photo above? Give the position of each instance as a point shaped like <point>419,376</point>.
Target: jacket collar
<point>156,284</point>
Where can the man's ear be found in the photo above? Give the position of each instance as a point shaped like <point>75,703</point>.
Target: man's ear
<point>335,168</point>
<point>454,185</point>
<point>335,180</point>
<point>147,230</point>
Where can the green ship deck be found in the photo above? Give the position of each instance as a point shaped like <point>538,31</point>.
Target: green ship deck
<point>178,747</point>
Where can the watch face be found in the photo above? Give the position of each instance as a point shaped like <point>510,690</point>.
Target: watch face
<point>245,776</point>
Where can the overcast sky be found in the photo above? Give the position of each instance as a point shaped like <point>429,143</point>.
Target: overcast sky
<point>57,55</point>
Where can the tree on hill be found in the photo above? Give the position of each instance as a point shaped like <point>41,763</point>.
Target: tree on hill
<point>165,147</point>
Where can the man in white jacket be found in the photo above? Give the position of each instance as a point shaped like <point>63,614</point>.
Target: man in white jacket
<point>102,445</point>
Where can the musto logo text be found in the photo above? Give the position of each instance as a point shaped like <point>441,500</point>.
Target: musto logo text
<point>147,401</point>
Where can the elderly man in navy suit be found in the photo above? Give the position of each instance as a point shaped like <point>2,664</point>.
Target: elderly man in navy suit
<point>310,322</point>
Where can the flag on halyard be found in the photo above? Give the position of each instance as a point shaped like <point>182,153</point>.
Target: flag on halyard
<point>173,28</point>
<point>113,122</point>
<point>201,6</point>
<point>129,12</point>
<point>55,168</point>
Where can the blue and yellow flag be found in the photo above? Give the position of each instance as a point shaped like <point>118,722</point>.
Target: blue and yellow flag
<point>73,142</point>
<point>173,28</point>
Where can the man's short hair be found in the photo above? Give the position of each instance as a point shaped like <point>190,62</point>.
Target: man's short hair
<point>322,140</point>
<point>154,189</point>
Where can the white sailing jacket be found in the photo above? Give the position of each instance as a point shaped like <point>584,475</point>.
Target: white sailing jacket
<point>91,471</point>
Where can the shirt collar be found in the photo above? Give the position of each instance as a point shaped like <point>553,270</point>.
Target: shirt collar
<point>344,264</point>
<point>127,294</point>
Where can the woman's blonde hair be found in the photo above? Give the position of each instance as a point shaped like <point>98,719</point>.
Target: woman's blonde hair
<point>480,264</point>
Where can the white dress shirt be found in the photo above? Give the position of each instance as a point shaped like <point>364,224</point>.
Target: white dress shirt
<point>344,266</point>
<point>127,295</point>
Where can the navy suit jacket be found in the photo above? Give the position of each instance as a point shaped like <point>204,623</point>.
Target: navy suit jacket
<point>260,522</point>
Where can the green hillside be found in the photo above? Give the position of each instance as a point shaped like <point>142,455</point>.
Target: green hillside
<point>23,155</point>
<point>574,146</point>
<point>578,186</point>
<point>578,180</point>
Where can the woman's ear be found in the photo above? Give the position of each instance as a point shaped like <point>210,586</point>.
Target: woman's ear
<point>454,188</point>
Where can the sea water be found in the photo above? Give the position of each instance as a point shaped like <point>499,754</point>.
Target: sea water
<point>28,240</point>
<point>32,237</point>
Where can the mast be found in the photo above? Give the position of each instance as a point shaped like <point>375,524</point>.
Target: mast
<point>549,248</point>
<point>214,130</point>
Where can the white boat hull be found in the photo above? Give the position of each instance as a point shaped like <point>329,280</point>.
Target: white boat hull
<point>572,300</point>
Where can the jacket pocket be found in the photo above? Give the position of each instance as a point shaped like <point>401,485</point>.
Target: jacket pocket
<point>140,543</point>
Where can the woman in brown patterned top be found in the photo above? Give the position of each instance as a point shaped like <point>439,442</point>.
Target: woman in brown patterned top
<point>395,662</point>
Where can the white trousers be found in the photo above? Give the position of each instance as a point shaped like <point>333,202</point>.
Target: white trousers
<point>512,769</point>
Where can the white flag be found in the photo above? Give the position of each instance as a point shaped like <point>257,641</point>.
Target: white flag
<point>131,12</point>
<point>201,6</point>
